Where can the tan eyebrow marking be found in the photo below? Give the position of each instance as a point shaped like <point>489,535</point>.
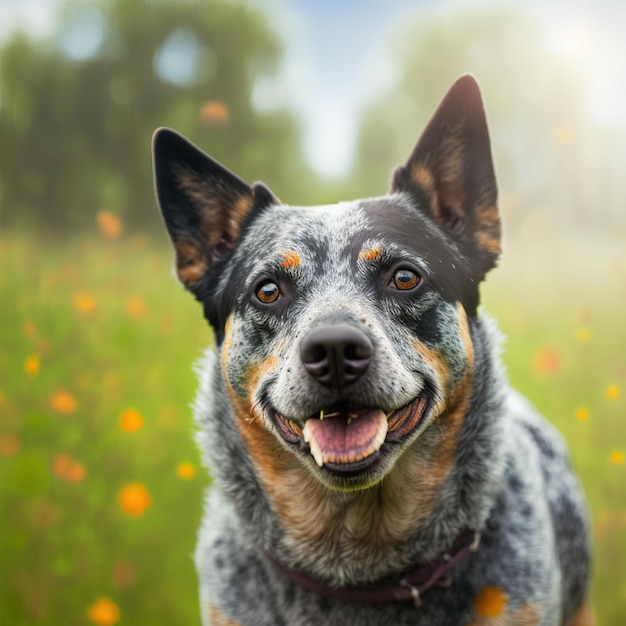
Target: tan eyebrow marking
<point>291,259</point>
<point>373,254</point>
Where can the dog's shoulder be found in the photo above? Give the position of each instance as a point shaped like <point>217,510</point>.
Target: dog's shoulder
<point>541,514</point>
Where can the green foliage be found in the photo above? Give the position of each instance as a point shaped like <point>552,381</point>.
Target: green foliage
<point>104,324</point>
<point>76,133</point>
<point>98,318</point>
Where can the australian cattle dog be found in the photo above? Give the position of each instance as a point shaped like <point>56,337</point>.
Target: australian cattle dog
<point>371,465</point>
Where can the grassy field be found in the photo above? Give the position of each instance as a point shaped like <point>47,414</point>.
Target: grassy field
<point>101,487</point>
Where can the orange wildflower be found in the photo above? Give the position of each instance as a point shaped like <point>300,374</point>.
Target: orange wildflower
<point>134,498</point>
<point>136,308</point>
<point>67,469</point>
<point>29,329</point>
<point>2,398</point>
<point>612,392</point>
<point>547,361</point>
<point>130,420</point>
<point>31,365</point>
<point>9,446</point>
<point>84,302</point>
<point>109,224</point>
<point>63,402</point>
<point>214,113</point>
<point>103,612</point>
<point>186,471</point>
<point>490,602</point>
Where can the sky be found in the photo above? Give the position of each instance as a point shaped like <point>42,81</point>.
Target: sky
<point>337,49</point>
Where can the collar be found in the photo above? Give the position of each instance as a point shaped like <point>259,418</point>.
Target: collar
<point>407,587</point>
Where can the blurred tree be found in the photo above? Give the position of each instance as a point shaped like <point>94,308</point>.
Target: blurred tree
<point>77,111</point>
<point>534,99</point>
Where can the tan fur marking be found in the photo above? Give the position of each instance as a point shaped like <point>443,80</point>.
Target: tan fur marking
<point>217,618</point>
<point>584,616</point>
<point>487,229</point>
<point>423,176</point>
<point>490,602</point>
<point>291,259</point>
<point>373,254</point>
<point>212,200</point>
<point>190,262</point>
<point>526,615</point>
<point>190,274</point>
<point>242,205</point>
<point>434,359</point>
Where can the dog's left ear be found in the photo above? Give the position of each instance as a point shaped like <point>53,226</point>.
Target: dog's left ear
<point>451,166</point>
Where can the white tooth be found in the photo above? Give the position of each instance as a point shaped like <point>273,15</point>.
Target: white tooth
<point>380,436</point>
<point>349,421</point>
<point>316,452</point>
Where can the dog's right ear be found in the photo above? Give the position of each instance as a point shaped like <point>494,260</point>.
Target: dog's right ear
<point>452,166</point>
<point>204,205</point>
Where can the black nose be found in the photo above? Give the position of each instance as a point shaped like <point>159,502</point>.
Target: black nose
<point>336,355</point>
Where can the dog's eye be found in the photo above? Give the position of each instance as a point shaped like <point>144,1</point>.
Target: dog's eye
<point>405,279</point>
<point>268,292</point>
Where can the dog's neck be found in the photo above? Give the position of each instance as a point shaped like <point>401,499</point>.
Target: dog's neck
<point>409,586</point>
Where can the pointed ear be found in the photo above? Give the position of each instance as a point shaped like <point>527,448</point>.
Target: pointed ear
<point>204,205</point>
<point>451,165</point>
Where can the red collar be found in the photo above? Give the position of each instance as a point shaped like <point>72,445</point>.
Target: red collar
<point>409,586</point>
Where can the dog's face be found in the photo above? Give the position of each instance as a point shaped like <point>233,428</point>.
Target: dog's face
<point>343,330</point>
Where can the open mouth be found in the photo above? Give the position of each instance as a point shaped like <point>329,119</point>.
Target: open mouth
<point>344,438</point>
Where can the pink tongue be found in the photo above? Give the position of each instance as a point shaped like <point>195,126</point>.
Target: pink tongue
<point>333,440</point>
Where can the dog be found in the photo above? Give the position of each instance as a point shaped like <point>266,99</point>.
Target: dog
<point>370,463</point>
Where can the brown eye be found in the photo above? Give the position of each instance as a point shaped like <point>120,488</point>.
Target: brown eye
<point>268,292</point>
<point>405,279</point>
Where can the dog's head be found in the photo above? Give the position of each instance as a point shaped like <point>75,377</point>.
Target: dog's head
<point>343,330</point>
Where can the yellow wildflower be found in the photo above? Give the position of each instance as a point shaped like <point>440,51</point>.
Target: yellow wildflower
<point>186,471</point>
<point>130,420</point>
<point>84,302</point>
<point>31,365</point>
<point>612,392</point>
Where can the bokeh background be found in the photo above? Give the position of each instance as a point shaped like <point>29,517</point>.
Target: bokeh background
<point>100,481</point>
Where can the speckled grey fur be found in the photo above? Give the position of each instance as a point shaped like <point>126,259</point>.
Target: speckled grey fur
<point>509,476</point>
